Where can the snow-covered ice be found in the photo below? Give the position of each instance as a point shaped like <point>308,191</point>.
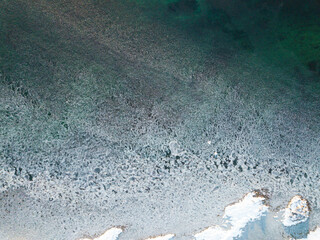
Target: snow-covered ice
<point>252,207</point>
<point>296,212</point>
<point>165,237</point>
<point>313,235</point>
<point>111,234</point>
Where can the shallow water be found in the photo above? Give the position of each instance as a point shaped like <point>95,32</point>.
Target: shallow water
<point>154,115</point>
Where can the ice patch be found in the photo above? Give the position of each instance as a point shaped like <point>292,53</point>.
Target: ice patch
<point>237,216</point>
<point>166,237</point>
<point>296,212</point>
<point>313,235</point>
<point>111,234</point>
<point>175,148</point>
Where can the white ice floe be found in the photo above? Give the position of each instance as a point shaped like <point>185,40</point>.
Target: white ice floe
<point>296,212</point>
<point>165,237</point>
<point>111,234</point>
<point>313,235</point>
<point>252,207</point>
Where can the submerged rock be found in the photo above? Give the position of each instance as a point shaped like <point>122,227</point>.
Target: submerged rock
<point>183,6</point>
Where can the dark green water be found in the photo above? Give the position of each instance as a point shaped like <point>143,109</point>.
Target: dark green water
<point>154,114</point>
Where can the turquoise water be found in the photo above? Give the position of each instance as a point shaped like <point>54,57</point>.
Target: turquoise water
<point>154,115</point>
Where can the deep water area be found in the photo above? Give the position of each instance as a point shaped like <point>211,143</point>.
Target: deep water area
<point>155,115</point>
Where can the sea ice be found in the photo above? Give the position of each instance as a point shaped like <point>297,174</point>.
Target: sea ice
<point>252,207</point>
<point>313,235</point>
<point>111,234</point>
<point>165,237</point>
<point>296,212</point>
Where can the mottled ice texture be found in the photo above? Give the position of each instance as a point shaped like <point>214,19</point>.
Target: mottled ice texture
<point>296,212</point>
<point>237,216</point>
<point>111,234</point>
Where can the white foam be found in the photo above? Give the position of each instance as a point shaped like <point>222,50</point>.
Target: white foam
<point>237,216</point>
<point>296,212</point>
<point>111,234</point>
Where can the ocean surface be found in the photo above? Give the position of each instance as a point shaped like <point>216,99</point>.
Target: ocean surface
<point>154,116</point>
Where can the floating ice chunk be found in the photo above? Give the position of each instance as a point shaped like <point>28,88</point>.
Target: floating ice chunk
<point>165,237</point>
<point>313,235</point>
<point>252,207</point>
<point>296,212</point>
<point>111,234</point>
<point>175,148</point>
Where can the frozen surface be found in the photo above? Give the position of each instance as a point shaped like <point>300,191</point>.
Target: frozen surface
<point>164,237</point>
<point>251,208</point>
<point>313,235</point>
<point>296,212</point>
<point>111,234</point>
